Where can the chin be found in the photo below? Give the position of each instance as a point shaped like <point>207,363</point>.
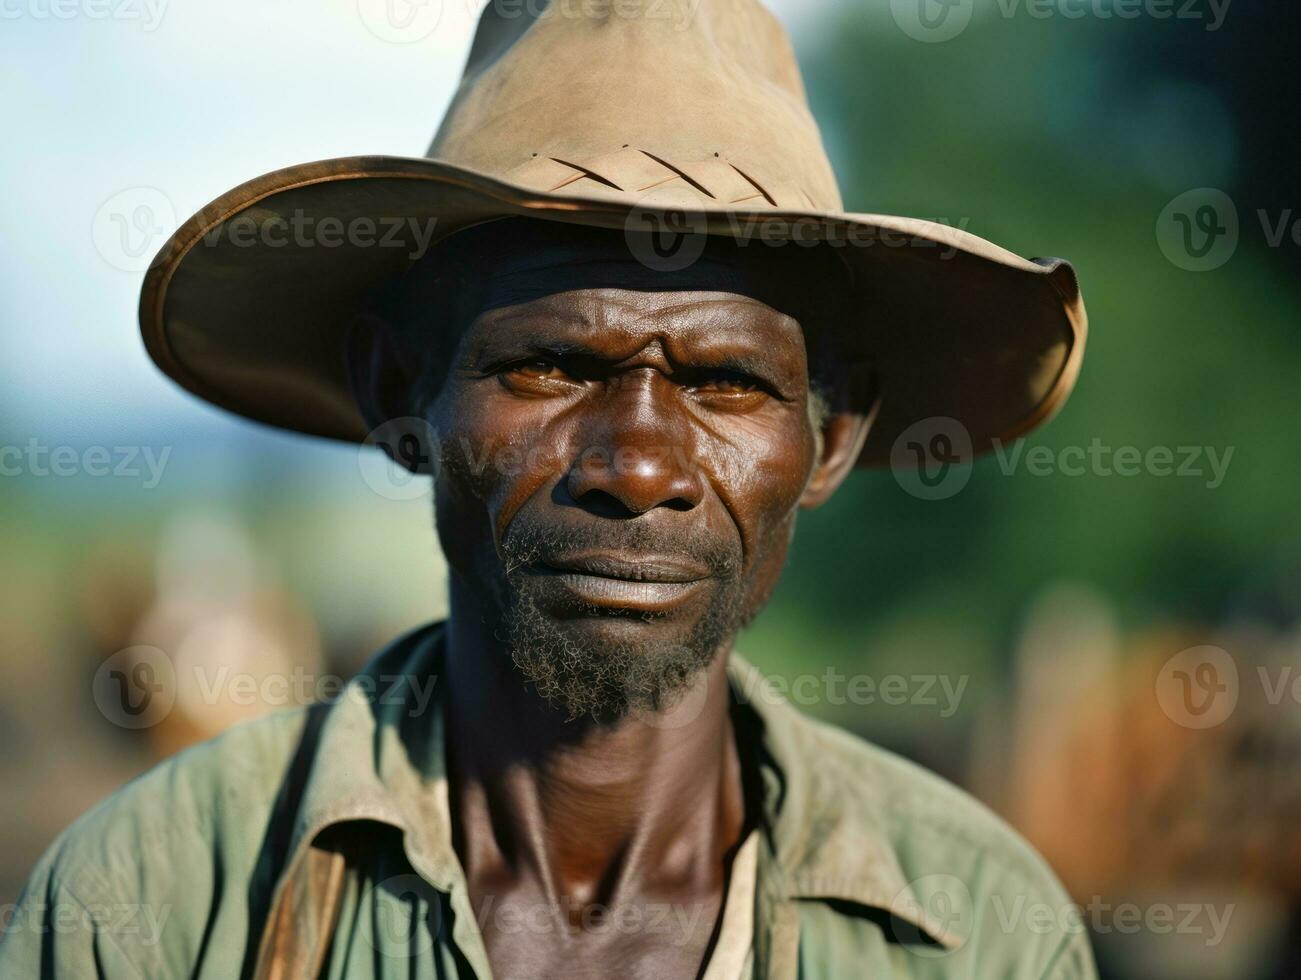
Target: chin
<point>607,664</point>
<point>630,635</point>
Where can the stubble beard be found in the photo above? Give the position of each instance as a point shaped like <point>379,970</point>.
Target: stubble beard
<point>608,681</point>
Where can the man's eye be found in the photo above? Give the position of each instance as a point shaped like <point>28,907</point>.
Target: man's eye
<point>730,384</point>
<point>538,367</point>
<point>533,376</point>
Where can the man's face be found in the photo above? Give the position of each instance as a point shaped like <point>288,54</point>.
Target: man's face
<point>620,477</point>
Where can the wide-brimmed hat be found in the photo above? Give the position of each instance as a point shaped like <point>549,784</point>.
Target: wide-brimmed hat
<point>683,118</point>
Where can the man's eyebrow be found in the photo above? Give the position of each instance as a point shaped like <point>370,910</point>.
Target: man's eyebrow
<point>557,326</point>
<point>740,362</point>
<point>540,342</point>
<point>566,335</point>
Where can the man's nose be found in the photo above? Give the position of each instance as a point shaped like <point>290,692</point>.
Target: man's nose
<point>636,455</point>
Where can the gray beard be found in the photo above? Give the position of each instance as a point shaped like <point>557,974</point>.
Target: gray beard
<point>608,682</point>
<point>611,681</point>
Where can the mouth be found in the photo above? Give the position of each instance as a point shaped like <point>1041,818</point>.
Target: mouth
<point>654,569</point>
<point>648,584</point>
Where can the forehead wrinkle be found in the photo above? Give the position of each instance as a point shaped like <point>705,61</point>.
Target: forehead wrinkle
<point>548,321</point>
<point>600,308</point>
<point>721,309</point>
<point>715,339</point>
<point>586,308</point>
<point>688,329</point>
<point>691,324</point>
<point>712,306</point>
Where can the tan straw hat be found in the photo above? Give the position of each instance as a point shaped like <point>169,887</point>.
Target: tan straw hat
<point>676,115</point>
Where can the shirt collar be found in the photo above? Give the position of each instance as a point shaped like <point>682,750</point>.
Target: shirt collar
<point>824,811</point>
<point>380,757</point>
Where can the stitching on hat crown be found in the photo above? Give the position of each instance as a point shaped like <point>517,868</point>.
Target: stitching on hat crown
<point>540,172</point>
<point>589,173</point>
<point>683,174</point>
<point>757,186</point>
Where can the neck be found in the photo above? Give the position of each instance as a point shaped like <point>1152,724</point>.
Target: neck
<point>577,812</point>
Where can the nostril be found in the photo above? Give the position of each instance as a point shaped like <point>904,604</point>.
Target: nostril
<point>604,504</point>
<point>619,484</point>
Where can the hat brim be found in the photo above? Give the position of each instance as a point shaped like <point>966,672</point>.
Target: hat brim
<point>247,305</point>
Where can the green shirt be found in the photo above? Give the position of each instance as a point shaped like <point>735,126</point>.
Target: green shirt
<point>317,842</point>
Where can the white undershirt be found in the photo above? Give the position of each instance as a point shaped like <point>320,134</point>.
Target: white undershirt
<point>730,959</point>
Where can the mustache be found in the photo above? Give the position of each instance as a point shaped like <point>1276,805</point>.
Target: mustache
<point>530,541</point>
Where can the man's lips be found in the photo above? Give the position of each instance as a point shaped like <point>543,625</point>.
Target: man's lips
<point>650,584</point>
<point>641,568</point>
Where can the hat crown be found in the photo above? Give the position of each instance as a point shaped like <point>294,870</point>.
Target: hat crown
<point>578,111</point>
<point>686,102</point>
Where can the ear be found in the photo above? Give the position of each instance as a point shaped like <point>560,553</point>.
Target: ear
<point>381,383</point>
<point>843,435</point>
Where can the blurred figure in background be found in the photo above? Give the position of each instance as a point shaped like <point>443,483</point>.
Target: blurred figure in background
<point>1173,809</point>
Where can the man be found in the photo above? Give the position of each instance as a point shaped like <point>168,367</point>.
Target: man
<point>575,775</point>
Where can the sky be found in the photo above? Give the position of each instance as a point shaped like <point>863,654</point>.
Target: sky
<point>148,109</point>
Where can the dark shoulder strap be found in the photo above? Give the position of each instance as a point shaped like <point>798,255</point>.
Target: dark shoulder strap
<point>267,891</point>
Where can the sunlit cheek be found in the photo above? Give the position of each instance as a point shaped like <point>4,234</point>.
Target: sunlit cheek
<point>460,514</point>
<point>495,459</point>
<point>762,471</point>
<point>769,464</point>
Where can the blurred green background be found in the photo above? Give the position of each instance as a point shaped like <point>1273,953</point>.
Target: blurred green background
<point>1054,599</point>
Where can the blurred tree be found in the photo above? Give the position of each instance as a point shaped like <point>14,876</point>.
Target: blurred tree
<point>1069,137</point>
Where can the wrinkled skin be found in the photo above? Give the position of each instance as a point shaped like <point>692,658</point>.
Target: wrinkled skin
<point>625,467</point>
